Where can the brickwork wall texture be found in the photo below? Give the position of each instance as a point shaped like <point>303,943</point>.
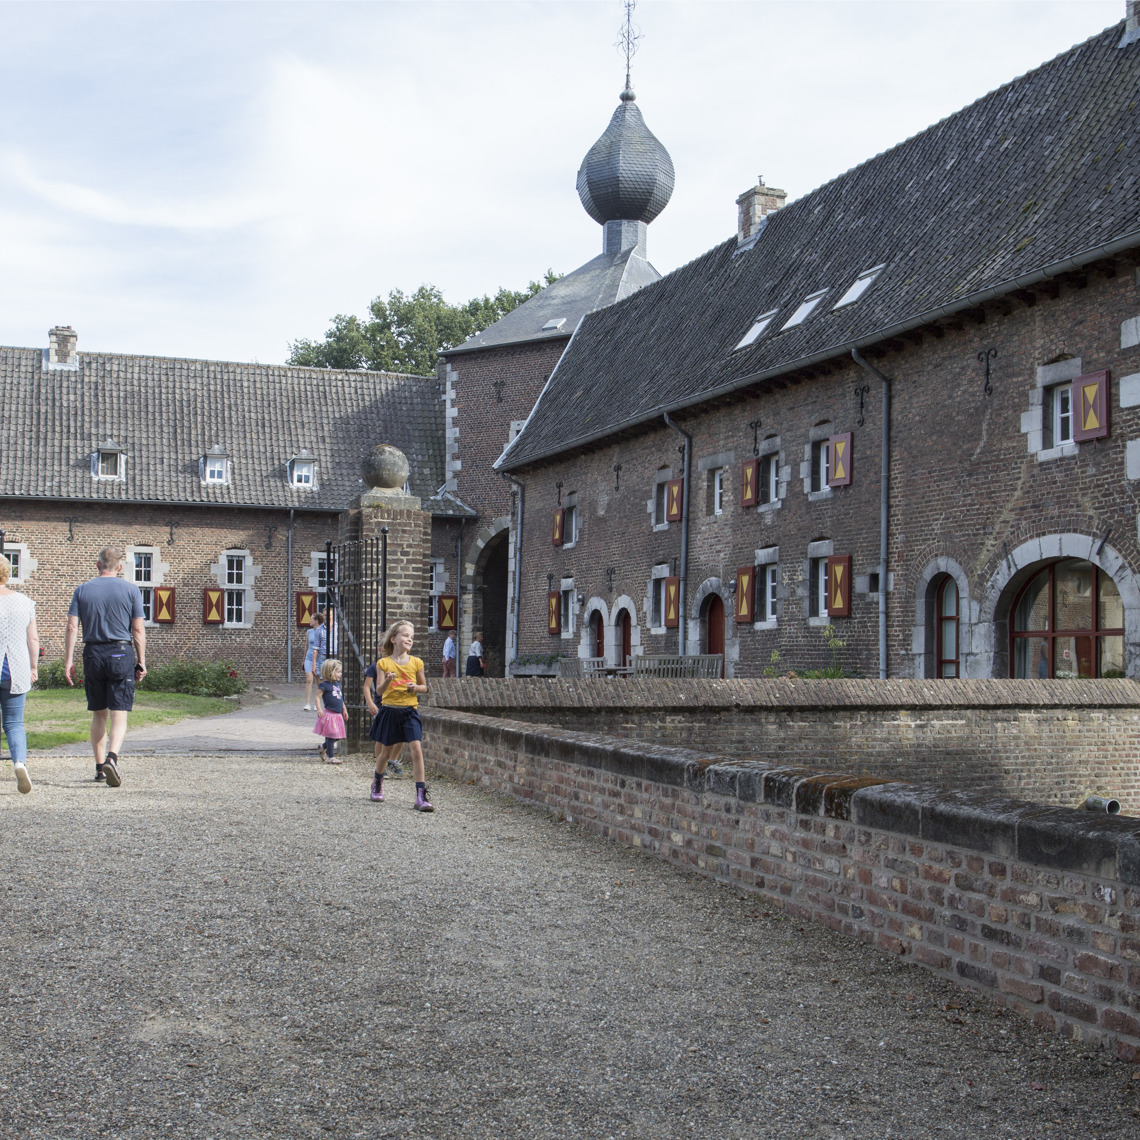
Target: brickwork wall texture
<point>189,541</point>
<point>1052,742</point>
<point>1038,907</point>
<point>964,487</point>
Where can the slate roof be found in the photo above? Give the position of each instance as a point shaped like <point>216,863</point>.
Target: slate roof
<point>166,412</point>
<point>604,279</point>
<point>1039,171</point>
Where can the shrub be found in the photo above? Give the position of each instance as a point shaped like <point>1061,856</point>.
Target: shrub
<point>195,678</point>
<point>51,675</point>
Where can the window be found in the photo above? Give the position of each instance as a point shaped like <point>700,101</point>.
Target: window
<point>817,588</point>
<point>946,628</point>
<point>1068,621</point>
<point>754,333</point>
<point>807,305</point>
<point>657,603</point>
<point>304,471</point>
<point>820,465</point>
<point>716,491</point>
<point>861,284</point>
<point>13,556</point>
<point>568,610</point>
<point>109,465</point>
<point>769,478</point>
<point>215,469</point>
<point>235,589</point>
<point>659,505</point>
<point>570,521</point>
<point>1057,407</point>
<point>436,581</point>
<point>766,580</point>
<point>143,578</point>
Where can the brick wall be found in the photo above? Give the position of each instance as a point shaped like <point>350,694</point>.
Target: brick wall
<point>1038,907</point>
<point>1052,742</point>
<point>64,540</point>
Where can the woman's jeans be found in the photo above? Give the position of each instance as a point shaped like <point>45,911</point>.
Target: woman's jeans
<point>12,714</point>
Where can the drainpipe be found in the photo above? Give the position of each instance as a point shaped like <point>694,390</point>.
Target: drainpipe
<point>884,506</point>
<point>518,564</point>
<point>289,602</point>
<point>684,614</point>
<point>459,594</point>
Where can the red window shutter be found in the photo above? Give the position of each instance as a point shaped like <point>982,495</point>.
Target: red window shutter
<point>554,612</point>
<point>448,607</point>
<point>839,586</point>
<point>840,466</point>
<point>750,483</point>
<point>1090,406</point>
<point>672,603</point>
<point>163,609</point>
<point>745,595</point>
<point>213,606</point>
<point>306,606</point>
<point>674,499</point>
<point>559,520</point>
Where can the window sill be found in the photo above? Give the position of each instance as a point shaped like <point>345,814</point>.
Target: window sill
<point>762,625</point>
<point>660,526</point>
<point>819,496</point>
<point>774,505</point>
<point>819,622</point>
<point>1065,449</point>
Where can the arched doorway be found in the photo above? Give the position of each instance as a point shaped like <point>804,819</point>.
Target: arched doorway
<point>597,635</point>
<point>624,637</point>
<point>489,608</point>
<point>714,627</point>
<point>1066,621</point>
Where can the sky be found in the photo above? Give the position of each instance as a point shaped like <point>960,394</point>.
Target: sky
<point>216,180</point>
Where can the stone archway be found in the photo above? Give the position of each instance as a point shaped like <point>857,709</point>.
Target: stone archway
<point>923,634</point>
<point>697,637</point>
<point>623,629</point>
<point>485,586</point>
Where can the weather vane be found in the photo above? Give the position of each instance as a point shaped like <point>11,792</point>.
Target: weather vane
<point>627,39</point>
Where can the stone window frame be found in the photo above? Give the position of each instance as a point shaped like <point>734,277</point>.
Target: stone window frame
<point>767,557</point>
<point>27,564</point>
<point>770,449</point>
<point>818,553</point>
<point>819,433</point>
<point>438,578</point>
<point>568,601</point>
<point>662,475</point>
<point>1049,377</point>
<point>158,572</point>
<point>251,607</point>
<point>572,532</point>
<point>708,466</point>
<point>312,575</point>
<point>658,574</point>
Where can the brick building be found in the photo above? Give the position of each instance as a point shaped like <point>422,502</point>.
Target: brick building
<point>906,406</point>
<point>221,482</point>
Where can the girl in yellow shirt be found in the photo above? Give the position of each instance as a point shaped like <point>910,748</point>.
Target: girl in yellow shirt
<point>398,677</point>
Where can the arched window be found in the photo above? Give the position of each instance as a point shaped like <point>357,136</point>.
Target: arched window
<point>1068,621</point>
<point>946,628</point>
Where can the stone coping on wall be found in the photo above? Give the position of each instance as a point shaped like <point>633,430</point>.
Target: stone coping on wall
<point>494,694</point>
<point>1063,839</point>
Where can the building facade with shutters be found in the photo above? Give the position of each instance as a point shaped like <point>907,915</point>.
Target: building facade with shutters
<point>901,413</point>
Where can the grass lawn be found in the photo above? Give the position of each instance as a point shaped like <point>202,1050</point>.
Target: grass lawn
<point>60,716</point>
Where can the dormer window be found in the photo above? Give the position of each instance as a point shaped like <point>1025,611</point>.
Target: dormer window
<point>807,307</point>
<point>860,286</point>
<point>303,470</point>
<point>758,327</point>
<point>108,461</point>
<point>215,465</point>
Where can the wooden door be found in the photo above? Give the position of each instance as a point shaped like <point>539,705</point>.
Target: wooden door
<point>714,629</point>
<point>599,631</point>
<point>625,628</point>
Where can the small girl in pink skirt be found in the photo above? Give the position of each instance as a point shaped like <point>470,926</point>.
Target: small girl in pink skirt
<point>330,709</point>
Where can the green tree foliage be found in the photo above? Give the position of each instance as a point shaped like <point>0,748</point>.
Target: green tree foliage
<point>406,332</point>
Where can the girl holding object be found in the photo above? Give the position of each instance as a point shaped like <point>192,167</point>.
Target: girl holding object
<point>330,706</point>
<point>399,681</point>
<point>315,654</point>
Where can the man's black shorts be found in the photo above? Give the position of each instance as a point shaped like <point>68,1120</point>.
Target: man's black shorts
<point>109,676</point>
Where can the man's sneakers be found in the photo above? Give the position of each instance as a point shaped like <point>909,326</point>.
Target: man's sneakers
<point>111,770</point>
<point>377,793</point>
<point>23,780</point>
<point>422,801</point>
<point>100,777</point>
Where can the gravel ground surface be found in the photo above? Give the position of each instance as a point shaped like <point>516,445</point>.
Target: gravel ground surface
<point>243,946</point>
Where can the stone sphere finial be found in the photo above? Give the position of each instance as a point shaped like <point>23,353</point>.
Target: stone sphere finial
<point>385,468</point>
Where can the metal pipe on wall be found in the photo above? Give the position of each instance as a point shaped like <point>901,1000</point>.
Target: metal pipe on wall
<point>682,604</point>
<point>884,505</point>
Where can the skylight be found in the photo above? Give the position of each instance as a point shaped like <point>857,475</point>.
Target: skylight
<point>805,309</point>
<point>862,283</point>
<point>554,325</point>
<point>758,326</point>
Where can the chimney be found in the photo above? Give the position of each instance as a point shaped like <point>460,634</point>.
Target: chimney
<point>754,206</point>
<point>61,353</point>
<point>1131,15</point>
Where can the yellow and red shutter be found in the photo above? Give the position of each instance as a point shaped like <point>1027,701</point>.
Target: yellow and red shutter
<point>1090,403</point>
<point>672,603</point>
<point>445,615</point>
<point>750,483</point>
<point>840,466</point>
<point>745,595</point>
<point>674,499</point>
<point>559,522</point>
<point>839,585</point>
<point>163,608</point>
<point>554,612</point>
<point>306,606</point>
<point>213,606</point>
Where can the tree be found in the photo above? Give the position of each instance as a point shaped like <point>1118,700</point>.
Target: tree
<point>405,333</point>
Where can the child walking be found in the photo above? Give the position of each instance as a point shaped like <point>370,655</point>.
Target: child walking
<point>399,680</point>
<point>330,707</point>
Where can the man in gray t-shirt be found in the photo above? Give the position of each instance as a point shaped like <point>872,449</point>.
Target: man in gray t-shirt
<point>111,613</point>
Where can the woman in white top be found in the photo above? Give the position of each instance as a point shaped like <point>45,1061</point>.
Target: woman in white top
<point>19,658</point>
<point>476,666</point>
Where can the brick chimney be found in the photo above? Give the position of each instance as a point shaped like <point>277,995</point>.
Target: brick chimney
<point>753,206</point>
<point>61,350</point>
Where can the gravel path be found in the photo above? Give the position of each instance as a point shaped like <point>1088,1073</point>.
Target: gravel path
<point>244,946</point>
